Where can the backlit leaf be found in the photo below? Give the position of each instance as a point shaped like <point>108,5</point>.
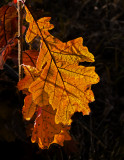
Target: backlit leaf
<point>28,108</point>
<point>62,136</point>
<point>45,127</point>
<point>67,84</point>
<point>35,27</point>
<point>56,84</point>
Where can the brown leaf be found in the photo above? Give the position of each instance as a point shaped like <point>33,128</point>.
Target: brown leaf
<point>8,23</point>
<point>8,51</point>
<point>45,127</point>
<point>30,57</point>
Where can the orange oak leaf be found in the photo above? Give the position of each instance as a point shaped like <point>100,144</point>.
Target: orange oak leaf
<point>67,84</point>
<point>30,75</point>
<point>62,136</point>
<point>29,107</point>
<point>57,86</point>
<point>45,131</point>
<point>45,127</point>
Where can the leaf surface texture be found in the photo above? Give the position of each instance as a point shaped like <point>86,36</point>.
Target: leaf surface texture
<point>57,86</point>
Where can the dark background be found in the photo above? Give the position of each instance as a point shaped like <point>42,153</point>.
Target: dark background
<point>99,136</point>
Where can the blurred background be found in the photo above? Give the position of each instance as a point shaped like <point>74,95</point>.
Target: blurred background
<point>99,136</point>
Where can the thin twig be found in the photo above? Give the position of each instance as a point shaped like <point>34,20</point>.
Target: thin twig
<point>19,4</point>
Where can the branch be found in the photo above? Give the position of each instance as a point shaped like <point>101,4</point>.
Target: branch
<point>19,4</point>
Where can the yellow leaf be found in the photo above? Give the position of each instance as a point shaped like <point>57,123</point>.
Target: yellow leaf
<point>58,85</point>
<point>67,84</point>
<point>28,108</point>
<point>35,28</point>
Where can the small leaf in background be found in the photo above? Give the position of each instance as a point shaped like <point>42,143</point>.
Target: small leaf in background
<point>9,51</point>
<point>8,25</point>
<point>8,34</point>
<point>8,29</point>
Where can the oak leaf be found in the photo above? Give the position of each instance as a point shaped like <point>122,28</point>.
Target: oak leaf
<point>45,129</point>
<point>68,85</point>
<point>29,107</point>
<point>30,75</point>
<point>62,136</point>
<point>56,84</point>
